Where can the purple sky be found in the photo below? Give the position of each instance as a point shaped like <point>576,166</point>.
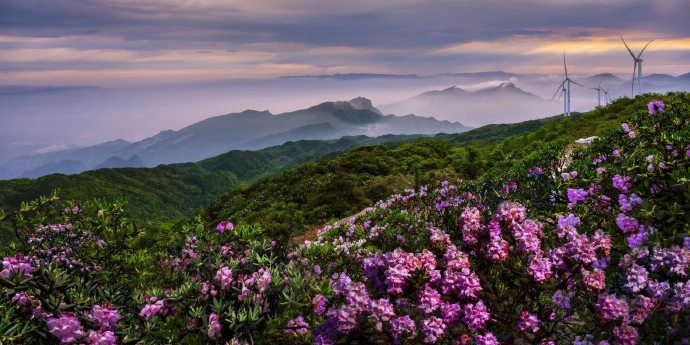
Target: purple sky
<point>136,42</point>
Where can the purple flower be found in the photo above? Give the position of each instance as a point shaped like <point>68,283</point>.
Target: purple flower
<point>528,321</point>
<point>471,224</point>
<point>576,195</point>
<point>429,300</point>
<point>296,326</point>
<point>403,328</point>
<point>214,326</point>
<point>319,302</point>
<point>611,308</point>
<point>527,235</point>
<point>616,153</point>
<point>433,329</point>
<point>562,300</point>
<point>567,226</point>
<point>540,268</point>
<point>476,315</point>
<point>101,338</point>
<point>637,278</point>
<point>151,309</point>
<point>15,265</point>
<point>626,128</point>
<point>104,317</point>
<point>625,335</point>
<point>626,223</point>
<point>224,225</point>
<point>635,240</point>
<point>600,170</point>
<point>451,312</point>
<point>454,259</point>
<point>536,171</point>
<point>594,280</point>
<point>465,282</point>
<point>66,328</point>
<point>224,276</point>
<point>631,135</point>
<point>656,106</point>
<point>487,339</point>
<point>381,310</point>
<point>345,318</point>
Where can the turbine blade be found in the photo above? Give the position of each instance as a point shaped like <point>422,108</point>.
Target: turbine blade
<point>626,46</point>
<point>645,47</point>
<point>558,89</point>
<point>565,66</point>
<point>576,83</point>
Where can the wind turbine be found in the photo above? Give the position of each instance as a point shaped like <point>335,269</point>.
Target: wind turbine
<point>637,66</point>
<point>598,88</point>
<point>565,89</point>
<point>607,97</point>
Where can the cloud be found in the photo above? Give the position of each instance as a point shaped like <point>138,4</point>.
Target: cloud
<point>263,38</point>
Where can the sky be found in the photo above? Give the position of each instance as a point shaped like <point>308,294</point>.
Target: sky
<point>145,42</point>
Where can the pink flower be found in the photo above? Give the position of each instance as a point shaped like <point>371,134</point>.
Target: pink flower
<point>611,308</point>
<point>625,335</point>
<point>224,225</point>
<point>429,300</point>
<point>101,338</point>
<point>319,302</point>
<point>402,328</point>
<point>476,315</point>
<point>151,309</point>
<point>595,280</point>
<point>433,329</point>
<point>298,326</point>
<point>66,328</point>
<point>214,326</point>
<point>487,339</point>
<point>528,321</point>
<point>224,276</point>
<point>16,265</point>
<point>540,268</point>
<point>381,310</point>
<point>104,317</point>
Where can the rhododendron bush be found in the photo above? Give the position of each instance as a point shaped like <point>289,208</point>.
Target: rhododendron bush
<point>564,245</point>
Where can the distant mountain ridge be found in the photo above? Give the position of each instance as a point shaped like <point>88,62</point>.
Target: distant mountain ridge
<point>487,104</point>
<point>247,130</point>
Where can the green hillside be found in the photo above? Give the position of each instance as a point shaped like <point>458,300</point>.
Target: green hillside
<point>549,243</point>
<point>312,194</point>
<point>170,192</point>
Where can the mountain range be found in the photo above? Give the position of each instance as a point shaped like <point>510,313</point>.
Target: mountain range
<point>247,130</point>
<point>484,105</point>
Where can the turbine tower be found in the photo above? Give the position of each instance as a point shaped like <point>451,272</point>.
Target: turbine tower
<point>637,66</point>
<point>598,88</point>
<point>607,97</point>
<point>565,89</point>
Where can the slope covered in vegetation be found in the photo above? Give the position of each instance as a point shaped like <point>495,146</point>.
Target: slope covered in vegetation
<point>170,192</point>
<point>302,198</point>
<point>553,245</point>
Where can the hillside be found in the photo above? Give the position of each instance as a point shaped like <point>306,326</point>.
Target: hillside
<point>552,244</point>
<point>302,198</point>
<point>169,192</point>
